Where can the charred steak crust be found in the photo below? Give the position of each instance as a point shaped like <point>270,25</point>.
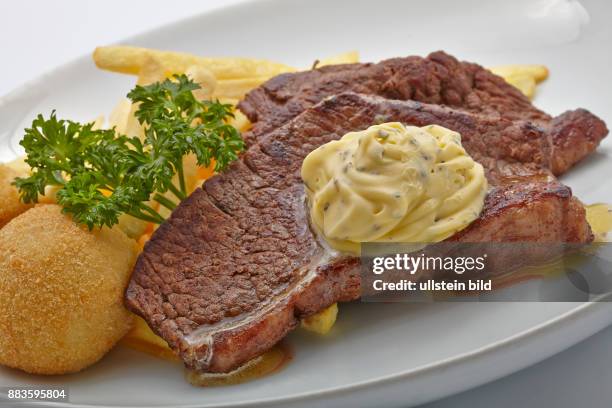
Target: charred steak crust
<point>236,265</point>
<point>437,79</point>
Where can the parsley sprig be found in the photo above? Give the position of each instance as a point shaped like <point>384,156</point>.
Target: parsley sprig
<point>101,175</point>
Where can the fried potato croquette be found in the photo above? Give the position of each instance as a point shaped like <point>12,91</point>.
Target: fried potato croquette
<point>10,205</point>
<point>61,291</point>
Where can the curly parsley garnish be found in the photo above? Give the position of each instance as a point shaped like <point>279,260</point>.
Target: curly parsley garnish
<point>101,175</point>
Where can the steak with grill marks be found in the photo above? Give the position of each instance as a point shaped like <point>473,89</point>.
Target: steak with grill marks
<point>236,265</point>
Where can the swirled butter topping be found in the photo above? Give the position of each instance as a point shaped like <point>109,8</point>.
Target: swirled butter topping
<point>392,183</point>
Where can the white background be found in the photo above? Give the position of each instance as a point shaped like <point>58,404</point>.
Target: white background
<point>36,36</point>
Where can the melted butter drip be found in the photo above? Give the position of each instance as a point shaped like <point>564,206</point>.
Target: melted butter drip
<point>268,363</point>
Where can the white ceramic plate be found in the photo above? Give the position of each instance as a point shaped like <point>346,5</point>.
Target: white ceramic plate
<point>377,354</point>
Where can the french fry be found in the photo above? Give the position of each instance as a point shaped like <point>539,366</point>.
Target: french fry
<point>123,120</point>
<point>237,88</point>
<point>321,322</point>
<point>227,101</point>
<point>538,72</point>
<point>524,83</point>
<point>599,217</point>
<point>190,171</point>
<point>525,77</point>
<point>133,127</point>
<point>142,338</point>
<point>240,121</point>
<point>204,78</point>
<point>120,115</point>
<point>98,122</point>
<point>130,60</point>
<point>350,57</point>
<point>132,226</point>
<point>151,71</point>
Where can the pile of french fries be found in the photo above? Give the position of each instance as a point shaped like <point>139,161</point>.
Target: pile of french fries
<point>228,80</point>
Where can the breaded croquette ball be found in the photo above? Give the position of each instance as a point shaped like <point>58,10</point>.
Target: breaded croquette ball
<point>10,205</point>
<point>61,291</point>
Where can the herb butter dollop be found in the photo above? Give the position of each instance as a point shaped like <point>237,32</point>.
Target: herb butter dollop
<point>392,183</point>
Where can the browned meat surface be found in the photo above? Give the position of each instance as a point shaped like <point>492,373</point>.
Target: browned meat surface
<point>436,79</point>
<point>529,209</point>
<point>575,135</point>
<point>236,265</point>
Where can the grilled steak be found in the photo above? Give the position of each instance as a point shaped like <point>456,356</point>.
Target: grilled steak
<point>436,79</point>
<point>236,265</point>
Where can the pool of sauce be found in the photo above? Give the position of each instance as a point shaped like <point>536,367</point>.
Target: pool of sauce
<point>268,363</point>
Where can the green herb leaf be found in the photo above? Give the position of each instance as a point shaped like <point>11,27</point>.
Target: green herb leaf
<point>102,175</point>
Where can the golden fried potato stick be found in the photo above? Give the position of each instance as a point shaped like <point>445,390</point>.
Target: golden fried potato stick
<point>349,57</point>
<point>538,72</point>
<point>524,77</point>
<point>120,115</point>
<point>224,78</point>
<point>237,88</point>
<point>130,60</point>
<point>151,71</point>
<point>240,121</point>
<point>203,77</point>
<point>142,338</point>
<point>524,83</point>
<point>321,322</point>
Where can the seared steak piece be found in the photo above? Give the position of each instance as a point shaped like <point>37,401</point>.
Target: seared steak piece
<point>574,135</point>
<point>236,265</point>
<point>436,79</point>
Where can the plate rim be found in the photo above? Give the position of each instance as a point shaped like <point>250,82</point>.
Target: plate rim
<point>550,325</point>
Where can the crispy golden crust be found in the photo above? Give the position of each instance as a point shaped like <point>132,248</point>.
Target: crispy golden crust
<point>61,290</point>
<point>10,206</point>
